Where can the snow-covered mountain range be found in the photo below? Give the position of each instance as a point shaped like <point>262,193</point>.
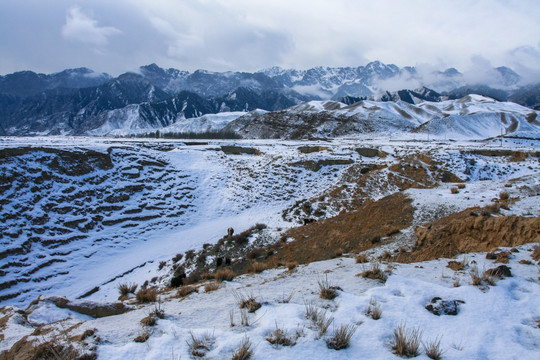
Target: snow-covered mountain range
<point>79,101</point>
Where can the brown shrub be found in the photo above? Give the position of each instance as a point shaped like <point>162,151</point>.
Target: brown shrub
<point>504,196</point>
<point>224,275</point>
<point>503,257</point>
<point>536,253</point>
<point>256,267</point>
<point>327,291</point>
<point>211,286</point>
<point>244,352</point>
<point>148,321</point>
<point>143,337</point>
<point>186,290</point>
<point>406,342</point>
<point>362,259</point>
<point>375,273</point>
<point>454,190</point>
<point>525,262</point>
<point>280,337</point>
<point>126,289</point>
<point>146,295</point>
<point>341,337</point>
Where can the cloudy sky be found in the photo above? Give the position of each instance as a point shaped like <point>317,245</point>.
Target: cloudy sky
<point>246,35</point>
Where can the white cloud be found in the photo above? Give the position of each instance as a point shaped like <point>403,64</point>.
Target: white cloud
<point>82,28</point>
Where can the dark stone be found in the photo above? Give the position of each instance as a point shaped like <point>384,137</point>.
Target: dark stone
<point>500,271</point>
<point>439,306</point>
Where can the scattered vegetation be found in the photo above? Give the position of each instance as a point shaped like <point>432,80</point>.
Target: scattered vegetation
<point>186,290</point>
<point>211,286</point>
<point>362,259</point>
<point>536,253</point>
<point>150,320</point>
<point>327,291</point>
<point>199,345</point>
<point>406,342</point>
<point>375,272</point>
<point>224,275</point>
<point>126,289</point>
<point>244,352</point>
<point>318,318</point>
<point>280,337</point>
<point>256,267</point>
<point>247,301</point>
<point>341,337</point>
<point>433,349</point>
<point>143,337</point>
<point>454,190</point>
<point>146,295</point>
<point>374,309</point>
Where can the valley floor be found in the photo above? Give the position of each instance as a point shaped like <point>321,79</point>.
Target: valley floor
<point>324,185</point>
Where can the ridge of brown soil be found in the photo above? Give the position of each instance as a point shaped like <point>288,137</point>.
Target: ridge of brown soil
<point>471,230</point>
<point>348,232</point>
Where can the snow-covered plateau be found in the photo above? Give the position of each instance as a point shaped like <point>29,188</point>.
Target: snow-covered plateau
<point>393,227</point>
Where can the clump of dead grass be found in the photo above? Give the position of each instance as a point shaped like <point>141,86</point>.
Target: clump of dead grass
<point>327,290</point>
<point>244,352</point>
<point>362,259</point>
<point>256,267</point>
<point>406,342</point>
<point>341,337</point>
<point>186,290</point>
<point>433,349</point>
<point>375,272</point>
<point>211,286</point>
<point>125,289</point>
<point>199,345</point>
<point>536,253</point>
<point>280,337</point>
<point>318,318</point>
<point>224,275</point>
<point>247,301</point>
<point>146,295</point>
<point>374,309</point>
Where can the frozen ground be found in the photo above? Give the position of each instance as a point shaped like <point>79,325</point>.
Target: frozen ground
<point>209,188</point>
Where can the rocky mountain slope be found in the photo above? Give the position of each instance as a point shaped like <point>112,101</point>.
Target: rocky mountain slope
<point>471,117</point>
<point>79,101</point>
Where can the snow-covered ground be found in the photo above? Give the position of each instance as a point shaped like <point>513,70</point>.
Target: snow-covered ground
<point>219,190</point>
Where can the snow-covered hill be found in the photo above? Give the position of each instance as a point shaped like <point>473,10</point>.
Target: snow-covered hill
<point>81,216</point>
<point>471,117</point>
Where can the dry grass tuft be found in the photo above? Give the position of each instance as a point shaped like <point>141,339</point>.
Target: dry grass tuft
<point>211,286</point>
<point>291,265</point>
<point>150,320</point>
<point>247,301</point>
<point>406,342</point>
<point>126,289</point>
<point>146,295</point>
<point>454,190</point>
<point>503,257</point>
<point>374,310</point>
<point>186,290</point>
<point>374,273</point>
<point>504,196</point>
<point>433,349</point>
<point>244,352</point>
<point>327,291</point>
<point>318,318</point>
<point>199,345</point>
<point>536,253</point>
<point>280,337</point>
<point>362,259</point>
<point>224,275</point>
<point>256,267</point>
<point>143,337</point>
<point>341,337</point>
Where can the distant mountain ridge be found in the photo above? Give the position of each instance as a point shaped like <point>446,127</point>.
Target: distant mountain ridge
<point>80,101</point>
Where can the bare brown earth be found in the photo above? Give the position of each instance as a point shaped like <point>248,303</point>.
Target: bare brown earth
<point>348,232</point>
<point>471,230</point>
